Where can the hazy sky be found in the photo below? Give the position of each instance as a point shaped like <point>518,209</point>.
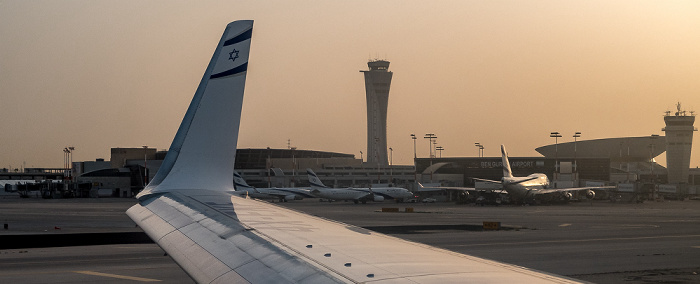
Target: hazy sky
<point>102,74</point>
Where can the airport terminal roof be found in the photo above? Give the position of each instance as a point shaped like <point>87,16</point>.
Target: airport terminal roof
<point>617,149</point>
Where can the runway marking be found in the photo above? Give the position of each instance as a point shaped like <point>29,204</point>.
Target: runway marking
<point>579,241</point>
<point>697,247</point>
<point>564,225</point>
<point>117,276</point>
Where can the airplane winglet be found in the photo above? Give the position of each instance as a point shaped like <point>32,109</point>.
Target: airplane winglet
<point>203,151</point>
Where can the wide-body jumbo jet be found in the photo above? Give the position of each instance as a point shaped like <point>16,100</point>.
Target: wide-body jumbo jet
<point>356,194</point>
<point>217,237</point>
<point>283,194</point>
<point>526,189</point>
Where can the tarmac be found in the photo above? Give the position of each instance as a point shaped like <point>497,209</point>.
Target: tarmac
<point>599,241</point>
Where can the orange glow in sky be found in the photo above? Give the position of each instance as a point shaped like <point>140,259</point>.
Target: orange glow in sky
<point>103,74</point>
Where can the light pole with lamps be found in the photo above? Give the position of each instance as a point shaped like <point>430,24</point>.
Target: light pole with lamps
<point>556,136</point>
<point>439,148</point>
<point>576,135</point>
<point>480,149</point>
<point>415,174</point>
<point>391,164</point>
<point>413,136</point>
<point>430,137</point>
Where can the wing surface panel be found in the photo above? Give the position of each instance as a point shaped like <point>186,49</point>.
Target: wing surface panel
<point>202,234</point>
<point>356,252</point>
<point>216,236</point>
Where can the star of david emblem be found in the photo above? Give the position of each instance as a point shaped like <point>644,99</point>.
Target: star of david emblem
<point>233,57</point>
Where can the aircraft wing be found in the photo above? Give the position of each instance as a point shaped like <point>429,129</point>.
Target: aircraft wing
<point>188,209</point>
<point>219,238</point>
<point>467,189</point>
<point>553,190</point>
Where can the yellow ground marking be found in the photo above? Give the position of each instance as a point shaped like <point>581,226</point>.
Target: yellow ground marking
<point>117,276</point>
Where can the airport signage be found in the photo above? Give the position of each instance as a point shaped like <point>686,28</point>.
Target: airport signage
<point>513,164</point>
<point>666,188</point>
<point>625,187</point>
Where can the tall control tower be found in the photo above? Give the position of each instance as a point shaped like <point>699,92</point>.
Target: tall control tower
<point>679,141</point>
<point>377,83</point>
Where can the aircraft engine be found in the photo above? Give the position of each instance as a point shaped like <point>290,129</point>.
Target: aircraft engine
<point>567,196</point>
<point>590,194</point>
<point>289,197</point>
<point>378,198</point>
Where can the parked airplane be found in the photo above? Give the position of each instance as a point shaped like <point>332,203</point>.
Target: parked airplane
<point>526,189</point>
<point>283,194</point>
<point>356,194</point>
<point>217,237</point>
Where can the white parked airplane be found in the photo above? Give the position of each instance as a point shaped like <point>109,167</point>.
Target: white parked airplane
<point>217,237</point>
<point>283,194</point>
<point>525,189</point>
<point>356,194</point>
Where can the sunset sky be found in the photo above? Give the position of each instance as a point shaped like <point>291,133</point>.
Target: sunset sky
<point>103,74</point>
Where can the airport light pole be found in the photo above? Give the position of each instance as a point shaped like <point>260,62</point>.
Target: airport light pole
<point>556,136</point>
<point>70,166</point>
<point>435,148</point>
<point>576,135</point>
<point>430,137</point>
<point>415,174</point>
<point>413,136</point>
<point>480,149</point>
<point>391,164</point>
<point>65,163</point>
<point>439,148</point>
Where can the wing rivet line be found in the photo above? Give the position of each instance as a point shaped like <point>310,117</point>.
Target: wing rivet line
<point>371,275</point>
<point>309,246</point>
<point>327,255</point>
<point>348,264</point>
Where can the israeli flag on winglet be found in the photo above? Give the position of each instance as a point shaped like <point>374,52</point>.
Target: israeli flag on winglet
<point>233,58</point>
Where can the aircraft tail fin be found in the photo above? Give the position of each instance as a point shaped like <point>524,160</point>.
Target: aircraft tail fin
<point>314,180</point>
<point>507,172</point>
<point>239,183</point>
<point>203,151</point>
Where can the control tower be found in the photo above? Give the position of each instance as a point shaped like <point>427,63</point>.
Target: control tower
<point>377,83</point>
<point>679,141</point>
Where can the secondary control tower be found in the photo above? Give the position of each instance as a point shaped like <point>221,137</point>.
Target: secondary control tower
<point>377,83</point>
<point>679,141</point>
